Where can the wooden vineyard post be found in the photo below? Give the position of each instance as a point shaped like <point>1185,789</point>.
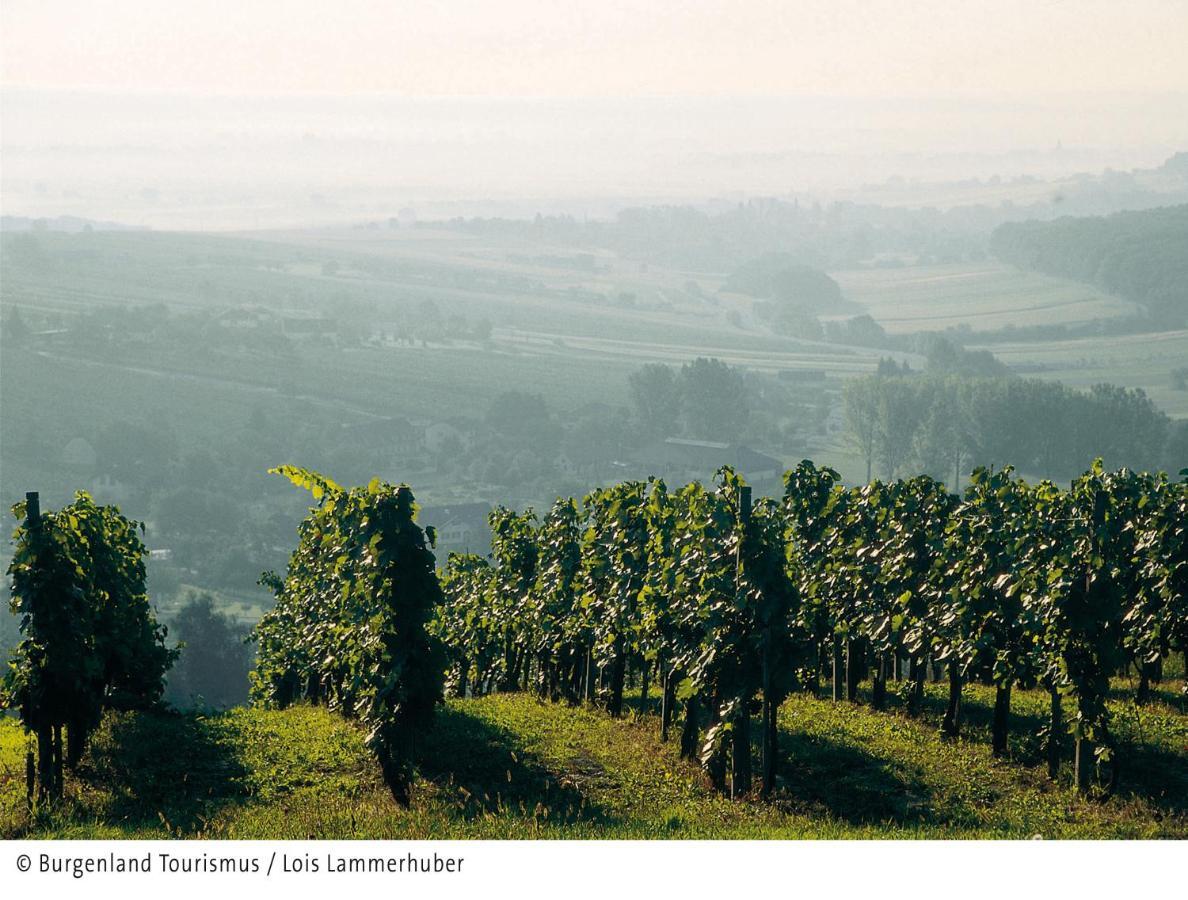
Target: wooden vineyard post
<point>1084,757</point>
<point>667,698</point>
<point>855,660</point>
<point>740,756</point>
<point>30,779</point>
<point>1056,723</point>
<point>838,668</point>
<point>46,781</point>
<point>1083,763</point>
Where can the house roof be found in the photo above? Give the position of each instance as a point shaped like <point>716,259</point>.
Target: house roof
<point>686,442</point>
<point>706,456</point>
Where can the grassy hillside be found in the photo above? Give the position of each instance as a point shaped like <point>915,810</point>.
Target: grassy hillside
<point>979,296</point>
<point>510,766</point>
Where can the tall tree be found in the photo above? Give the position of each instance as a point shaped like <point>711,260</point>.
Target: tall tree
<point>861,403</point>
<point>656,398</point>
<point>714,400</point>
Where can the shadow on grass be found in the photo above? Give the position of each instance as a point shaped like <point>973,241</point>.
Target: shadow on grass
<point>976,718</point>
<point>161,768</point>
<point>483,769</point>
<point>1167,692</point>
<point>633,703</point>
<point>1024,743</point>
<point>1149,773</point>
<point>1157,777</point>
<point>821,776</point>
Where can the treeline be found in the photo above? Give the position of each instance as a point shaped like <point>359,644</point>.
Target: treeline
<point>523,445</point>
<point>943,425</point>
<point>832,236</point>
<point>730,605</point>
<point>90,641</point>
<point>1137,255</point>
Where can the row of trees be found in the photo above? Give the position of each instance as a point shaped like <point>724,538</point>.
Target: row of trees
<point>839,235</point>
<point>349,625</point>
<point>730,606</point>
<point>90,640</point>
<point>1138,255</point>
<point>946,425</point>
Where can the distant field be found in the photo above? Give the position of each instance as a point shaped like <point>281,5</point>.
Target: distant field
<point>571,332</point>
<point>1138,360</point>
<point>567,334</point>
<point>573,347</point>
<point>983,296</point>
<point>621,301</point>
<point>617,312</point>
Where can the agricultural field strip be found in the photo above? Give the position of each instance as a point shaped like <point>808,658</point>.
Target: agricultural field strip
<point>650,350</point>
<point>997,314</point>
<point>1168,342</point>
<point>494,258</point>
<point>873,289</point>
<point>362,381</point>
<point>333,403</point>
<point>691,318</point>
<point>598,316</point>
<point>897,298</point>
<point>844,359</point>
<point>458,249</point>
<point>578,316</point>
<point>85,401</point>
<point>56,296</point>
<point>643,326</point>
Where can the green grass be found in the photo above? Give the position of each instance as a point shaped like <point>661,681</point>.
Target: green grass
<point>983,296</point>
<point>510,766</point>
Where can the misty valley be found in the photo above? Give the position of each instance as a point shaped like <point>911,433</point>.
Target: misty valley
<point>492,362</point>
<point>876,377</point>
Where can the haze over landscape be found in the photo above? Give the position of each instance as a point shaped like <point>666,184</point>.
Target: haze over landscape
<point>514,252</point>
<point>179,119</point>
<point>550,197</point>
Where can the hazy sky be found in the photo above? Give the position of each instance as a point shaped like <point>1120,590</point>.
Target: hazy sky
<point>220,113</point>
<point>563,48</point>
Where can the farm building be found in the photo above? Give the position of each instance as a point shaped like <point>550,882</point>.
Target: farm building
<point>461,528</point>
<point>682,459</point>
